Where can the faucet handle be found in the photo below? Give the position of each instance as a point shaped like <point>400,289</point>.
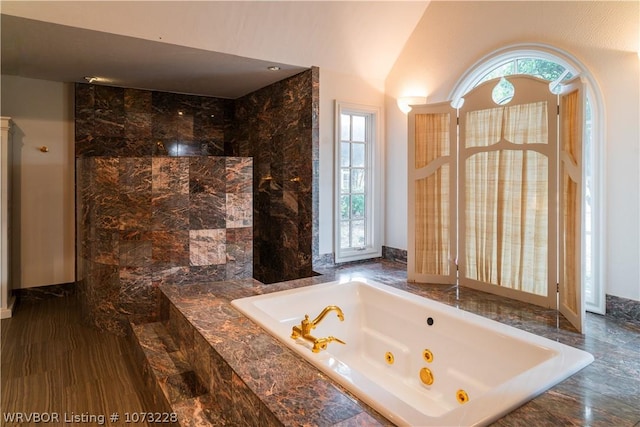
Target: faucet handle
<point>332,338</point>
<point>322,343</point>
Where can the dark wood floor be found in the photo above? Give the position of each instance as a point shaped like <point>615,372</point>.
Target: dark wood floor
<point>53,364</point>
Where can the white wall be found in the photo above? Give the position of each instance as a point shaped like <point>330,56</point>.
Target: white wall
<point>452,36</point>
<point>346,88</point>
<point>43,183</point>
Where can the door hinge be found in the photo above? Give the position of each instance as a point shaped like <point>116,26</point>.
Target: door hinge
<point>557,287</point>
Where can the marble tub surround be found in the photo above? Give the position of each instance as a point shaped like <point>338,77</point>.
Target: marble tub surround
<point>269,384</point>
<point>251,377</point>
<point>171,382</point>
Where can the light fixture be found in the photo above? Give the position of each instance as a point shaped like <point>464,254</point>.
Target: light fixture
<point>405,102</point>
<point>273,68</point>
<point>91,79</point>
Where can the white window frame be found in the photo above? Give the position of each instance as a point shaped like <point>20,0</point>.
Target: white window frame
<point>469,80</point>
<point>374,173</point>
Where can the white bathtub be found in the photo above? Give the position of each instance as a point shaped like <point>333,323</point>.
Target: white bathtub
<point>498,367</point>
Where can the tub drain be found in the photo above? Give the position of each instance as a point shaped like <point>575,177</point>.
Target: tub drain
<point>389,357</point>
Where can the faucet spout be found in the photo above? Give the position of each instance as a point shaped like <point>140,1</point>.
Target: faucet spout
<point>326,311</point>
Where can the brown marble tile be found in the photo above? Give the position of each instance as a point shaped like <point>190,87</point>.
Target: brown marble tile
<point>239,210</point>
<point>172,117</point>
<point>109,111</point>
<point>137,101</point>
<point>207,247</point>
<point>39,293</point>
<point>200,411</point>
<point>183,275</point>
<point>106,247</point>
<point>182,386</point>
<point>157,356</point>
<point>170,175</point>
<point>134,175</point>
<point>135,211</point>
<point>138,298</point>
<point>623,308</point>
<point>207,175</point>
<point>238,175</point>
<point>180,329</point>
<point>137,124</point>
<point>170,248</point>
<point>135,253</point>
<point>246,407</point>
<point>239,247</point>
<point>220,385</point>
<point>207,211</point>
<point>295,407</point>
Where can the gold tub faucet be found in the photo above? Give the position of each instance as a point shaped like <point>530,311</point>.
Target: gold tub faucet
<point>304,330</point>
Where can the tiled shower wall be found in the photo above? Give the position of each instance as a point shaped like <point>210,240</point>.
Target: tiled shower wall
<point>157,201</point>
<point>156,220</point>
<point>163,195</point>
<point>278,128</point>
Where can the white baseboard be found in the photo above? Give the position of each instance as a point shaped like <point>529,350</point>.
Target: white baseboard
<point>6,313</point>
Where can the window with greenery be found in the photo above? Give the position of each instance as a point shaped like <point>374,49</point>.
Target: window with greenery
<point>353,188</point>
<point>542,68</point>
<point>356,236</point>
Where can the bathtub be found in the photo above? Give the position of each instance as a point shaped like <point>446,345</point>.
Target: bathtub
<point>414,360</point>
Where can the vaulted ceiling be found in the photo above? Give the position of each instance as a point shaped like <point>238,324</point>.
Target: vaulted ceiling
<point>214,48</point>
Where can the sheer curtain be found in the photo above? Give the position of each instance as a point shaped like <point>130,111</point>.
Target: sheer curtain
<point>506,197</point>
<point>432,209</point>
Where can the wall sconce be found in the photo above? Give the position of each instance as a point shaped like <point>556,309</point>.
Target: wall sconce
<point>405,102</point>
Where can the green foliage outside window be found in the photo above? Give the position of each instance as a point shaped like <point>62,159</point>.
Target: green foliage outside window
<point>541,68</point>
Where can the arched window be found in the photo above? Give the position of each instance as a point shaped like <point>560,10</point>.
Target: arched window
<point>556,66</point>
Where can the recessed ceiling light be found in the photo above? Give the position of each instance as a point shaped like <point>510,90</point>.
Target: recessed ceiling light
<point>273,68</point>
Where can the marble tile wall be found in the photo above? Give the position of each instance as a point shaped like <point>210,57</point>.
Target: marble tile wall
<point>153,220</point>
<point>159,199</point>
<point>123,122</point>
<point>161,180</point>
<point>278,128</point>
